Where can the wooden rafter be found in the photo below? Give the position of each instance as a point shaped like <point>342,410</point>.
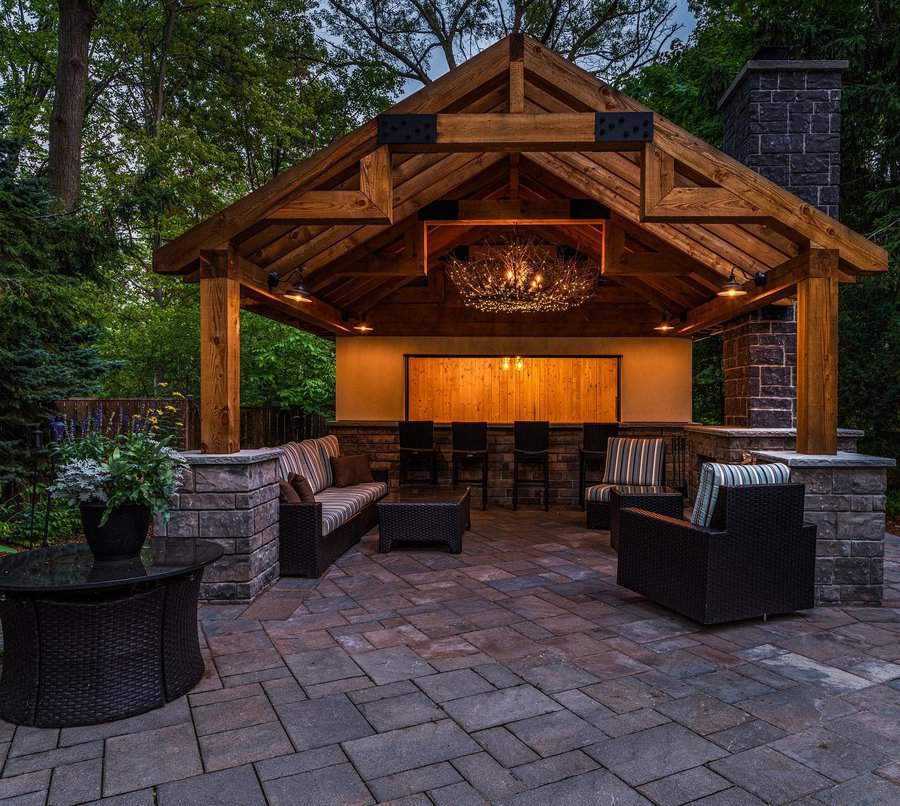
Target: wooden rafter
<point>373,203</point>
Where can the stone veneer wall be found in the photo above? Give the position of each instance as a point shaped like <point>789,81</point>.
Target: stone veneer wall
<point>231,499</point>
<point>759,358</point>
<point>726,444</point>
<point>845,497</point>
<point>380,442</point>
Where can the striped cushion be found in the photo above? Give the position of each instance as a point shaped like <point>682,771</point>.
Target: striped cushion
<point>290,461</point>
<point>634,461</point>
<point>339,504</point>
<point>600,492</point>
<point>315,464</point>
<point>329,447</point>
<point>714,475</point>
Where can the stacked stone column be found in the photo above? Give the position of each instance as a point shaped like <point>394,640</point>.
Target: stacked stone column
<point>231,499</point>
<point>845,497</point>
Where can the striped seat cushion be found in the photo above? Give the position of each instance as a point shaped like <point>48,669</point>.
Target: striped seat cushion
<point>339,504</point>
<point>329,447</point>
<point>714,475</point>
<point>290,461</point>
<point>600,492</point>
<point>634,461</point>
<point>314,463</point>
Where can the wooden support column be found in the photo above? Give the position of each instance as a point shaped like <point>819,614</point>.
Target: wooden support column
<point>817,362</point>
<point>220,352</point>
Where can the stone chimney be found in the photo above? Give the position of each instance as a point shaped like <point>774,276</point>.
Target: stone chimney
<point>782,117</point>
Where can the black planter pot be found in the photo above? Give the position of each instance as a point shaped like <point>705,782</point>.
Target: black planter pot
<point>123,534</point>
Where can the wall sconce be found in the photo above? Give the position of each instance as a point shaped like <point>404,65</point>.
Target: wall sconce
<point>732,287</point>
<point>665,325</point>
<point>296,292</point>
<point>520,364</point>
<point>363,326</point>
<point>504,364</point>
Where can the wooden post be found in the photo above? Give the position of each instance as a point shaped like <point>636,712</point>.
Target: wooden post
<point>817,311</point>
<point>220,352</point>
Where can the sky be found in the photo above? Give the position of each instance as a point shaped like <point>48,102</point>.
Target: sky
<point>683,17</point>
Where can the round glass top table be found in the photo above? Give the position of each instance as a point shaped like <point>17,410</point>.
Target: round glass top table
<point>88,642</point>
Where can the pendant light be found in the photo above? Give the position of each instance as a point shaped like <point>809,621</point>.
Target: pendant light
<point>732,287</point>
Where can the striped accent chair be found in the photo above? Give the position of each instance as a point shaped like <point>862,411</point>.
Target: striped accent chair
<point>632,463</point>
<point>744,553</point>
<point>313,535</point>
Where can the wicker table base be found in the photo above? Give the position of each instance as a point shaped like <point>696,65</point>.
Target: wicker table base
<point>424,517</point>
<point>80,657</point>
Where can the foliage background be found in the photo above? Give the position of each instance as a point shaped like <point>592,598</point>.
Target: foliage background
<point>193,104</point>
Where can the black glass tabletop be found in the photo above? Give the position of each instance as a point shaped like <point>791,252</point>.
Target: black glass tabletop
<point>425,494</point>
<point>73,567</point>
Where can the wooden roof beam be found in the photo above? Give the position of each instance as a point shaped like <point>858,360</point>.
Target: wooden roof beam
<point>373,203</point>
<point>780,282</point>
<point>515,131</point>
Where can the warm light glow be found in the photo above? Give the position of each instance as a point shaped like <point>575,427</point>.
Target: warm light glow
<point>520,364</point>
<point>363,327</point>
<point>664,327</point>
<point>523,276</point>
<point>732,287</point>
<point>504,364</point>
<point>298,295</point>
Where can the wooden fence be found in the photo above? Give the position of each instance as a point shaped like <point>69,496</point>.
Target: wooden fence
<point>261,426</point>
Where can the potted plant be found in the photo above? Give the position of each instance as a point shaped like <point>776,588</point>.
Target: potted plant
<point>118,483</point>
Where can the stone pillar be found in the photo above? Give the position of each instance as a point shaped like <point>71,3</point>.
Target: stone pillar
<point>845,496</point>
<point>231,499</point>
<point>759,358</point>
<point>782,117</point>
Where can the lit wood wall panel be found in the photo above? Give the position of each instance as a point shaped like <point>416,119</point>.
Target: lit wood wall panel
<point>561,390</point>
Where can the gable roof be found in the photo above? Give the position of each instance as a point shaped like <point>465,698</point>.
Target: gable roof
<point>356,268</point>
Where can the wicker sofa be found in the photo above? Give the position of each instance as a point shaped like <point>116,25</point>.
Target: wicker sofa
<point>313,535</point>
<point>756,557</point>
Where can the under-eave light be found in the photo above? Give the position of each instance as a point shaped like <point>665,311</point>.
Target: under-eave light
<point>732,287</point>
<point>664,326</point>
<point>297,292</point>
<point>363,327</point>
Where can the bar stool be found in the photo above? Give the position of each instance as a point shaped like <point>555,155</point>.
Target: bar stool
<point>531,445</point>
<point>470,444</point>
<point>417,444</point>
<point>595,437</point>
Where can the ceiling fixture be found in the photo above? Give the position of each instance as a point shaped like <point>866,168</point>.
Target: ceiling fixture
<point>522,276</point>
<point>665,325</point>
<point>297,292</point>
<point>363,326</point>
<point>505,364</point>
<point>732,287</point>
<point>520,364</point>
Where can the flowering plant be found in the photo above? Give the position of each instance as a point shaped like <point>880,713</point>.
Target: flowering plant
<point>132,469</point>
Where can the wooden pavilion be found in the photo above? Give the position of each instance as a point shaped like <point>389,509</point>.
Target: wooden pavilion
<point>517,136</point>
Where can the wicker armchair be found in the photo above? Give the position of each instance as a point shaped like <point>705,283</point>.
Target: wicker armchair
<point>757,558</point>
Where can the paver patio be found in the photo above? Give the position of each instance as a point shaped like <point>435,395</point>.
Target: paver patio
<point>515,673</point>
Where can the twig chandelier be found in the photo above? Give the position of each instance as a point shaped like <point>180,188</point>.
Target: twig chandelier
<point>522,275</point>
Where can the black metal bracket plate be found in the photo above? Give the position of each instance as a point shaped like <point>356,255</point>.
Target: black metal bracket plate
<point>617,127</point>
<point>413,129</point>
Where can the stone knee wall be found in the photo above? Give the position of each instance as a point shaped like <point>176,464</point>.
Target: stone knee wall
<point>845,497</point>
<point>380,442</point>
<point>232,500</point>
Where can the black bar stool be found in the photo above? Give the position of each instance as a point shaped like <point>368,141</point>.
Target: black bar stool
<point>417,444</point>
<point>470,444</point>
<point>595,437</point>
<point>531,440</point>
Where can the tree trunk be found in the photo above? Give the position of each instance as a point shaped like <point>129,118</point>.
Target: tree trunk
<point>76,20</point>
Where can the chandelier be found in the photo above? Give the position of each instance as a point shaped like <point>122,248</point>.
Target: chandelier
<point>521,276</point>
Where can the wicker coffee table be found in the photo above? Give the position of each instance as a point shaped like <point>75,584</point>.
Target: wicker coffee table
<point>88,642</point>
<point>424,515</point>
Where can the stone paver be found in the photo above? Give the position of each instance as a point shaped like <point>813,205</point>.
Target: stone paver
<point>517,672</point>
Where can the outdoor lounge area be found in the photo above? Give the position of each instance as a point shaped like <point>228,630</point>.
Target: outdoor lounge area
<point>514,570</point>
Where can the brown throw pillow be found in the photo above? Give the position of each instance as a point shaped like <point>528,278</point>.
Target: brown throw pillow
<point>302,488</point>
<point>349,470</point>
<point>286,493</point>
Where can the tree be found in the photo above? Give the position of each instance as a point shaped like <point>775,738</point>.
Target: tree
<point>46,342</point>
<point>610,38</point>
<point>76,21</point>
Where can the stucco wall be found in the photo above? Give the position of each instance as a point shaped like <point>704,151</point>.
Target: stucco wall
<point>656,372</point>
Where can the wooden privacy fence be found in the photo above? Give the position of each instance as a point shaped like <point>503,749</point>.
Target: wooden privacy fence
<point>261,426</point>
